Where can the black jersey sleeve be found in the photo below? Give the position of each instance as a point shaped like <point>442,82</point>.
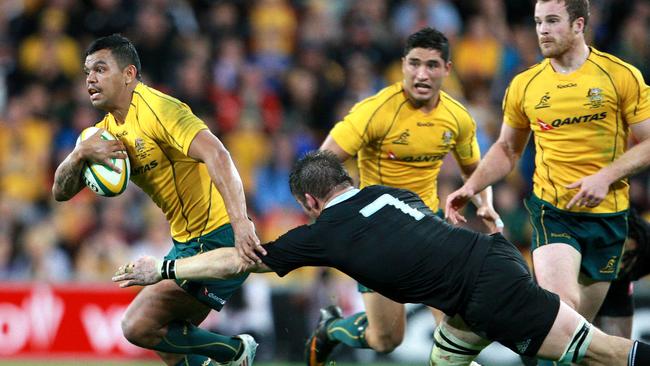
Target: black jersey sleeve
<point>297,248</point>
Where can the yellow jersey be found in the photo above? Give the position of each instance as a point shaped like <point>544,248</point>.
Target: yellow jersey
<point>399,145</point>
<point>580,123</point>
<point>157,134</point>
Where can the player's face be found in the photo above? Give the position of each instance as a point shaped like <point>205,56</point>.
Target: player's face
<point>555,34</point>
<point>105,80</point>
<point>424,70</point>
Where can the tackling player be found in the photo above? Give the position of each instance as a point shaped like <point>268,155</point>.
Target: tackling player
<point>482,279</point>
<point>188,173</point>
<point>401,136</point>
<point>580,104</point>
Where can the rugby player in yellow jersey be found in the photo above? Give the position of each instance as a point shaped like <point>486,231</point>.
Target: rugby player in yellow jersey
<point>401,136</point>
<point>188,173</point>
<point>580,104</point>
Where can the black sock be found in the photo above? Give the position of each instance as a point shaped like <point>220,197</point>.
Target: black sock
<point>639,354</point>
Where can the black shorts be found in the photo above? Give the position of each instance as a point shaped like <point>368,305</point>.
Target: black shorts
<point>619,301</point>
<point>506,305</point>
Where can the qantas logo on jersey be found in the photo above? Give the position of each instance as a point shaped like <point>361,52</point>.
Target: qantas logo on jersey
<point>144,168</point>
<point>543,125</point>
<point>415,159</point>
<point>419,158</point>
<point>570,121</point>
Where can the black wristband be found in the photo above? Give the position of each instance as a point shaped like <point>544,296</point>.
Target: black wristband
<point>168,269</point>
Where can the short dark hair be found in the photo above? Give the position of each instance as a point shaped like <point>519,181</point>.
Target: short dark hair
<point>575,8</point>
<point>317,173</point>
<point>428,38</point>
<point>121,48</point>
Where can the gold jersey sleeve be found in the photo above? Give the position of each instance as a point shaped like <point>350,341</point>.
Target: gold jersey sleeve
<point>157,133</point>
<point>580,123</point>
<point>400,146</point>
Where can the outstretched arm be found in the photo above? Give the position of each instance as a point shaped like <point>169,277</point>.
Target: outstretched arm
<point>594,188</point>
<point>219,263</point>
<point>207,148</point>
<point>67,178</point>
<point>500,160</point>
<point>483,202</point>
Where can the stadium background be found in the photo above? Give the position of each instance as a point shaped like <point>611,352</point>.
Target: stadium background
<point>270,78</point>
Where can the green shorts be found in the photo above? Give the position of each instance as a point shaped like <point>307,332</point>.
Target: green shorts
<point>363,289</point>
<point>213,293</point>
<point>598,237</point>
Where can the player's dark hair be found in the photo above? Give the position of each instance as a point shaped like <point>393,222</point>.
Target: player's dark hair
<point>317,173</point>
<point>575,8</point>
<point>428,38</point>
<point>121,48</point>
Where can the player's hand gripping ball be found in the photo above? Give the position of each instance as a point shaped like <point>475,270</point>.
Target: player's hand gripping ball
<point>100,178</point>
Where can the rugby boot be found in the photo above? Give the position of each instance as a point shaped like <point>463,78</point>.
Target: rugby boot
<point>247,356</point>
<point>319,346</point>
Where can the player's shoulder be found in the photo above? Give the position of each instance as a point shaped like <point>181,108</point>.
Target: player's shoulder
<point>156,99</point>
<point>452,103</point>
<point>610,63</point>
<point>383,98</point>
<point>525,76</point>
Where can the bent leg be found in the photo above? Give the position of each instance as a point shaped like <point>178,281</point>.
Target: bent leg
<point>596,348</point>
<point>386,322</point>
<point>556,268</point>
<point>162,317</point>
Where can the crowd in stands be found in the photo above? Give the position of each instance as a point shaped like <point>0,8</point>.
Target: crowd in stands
<point>269,77</point>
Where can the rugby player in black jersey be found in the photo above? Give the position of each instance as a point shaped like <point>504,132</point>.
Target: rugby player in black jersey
<point>389,240</point>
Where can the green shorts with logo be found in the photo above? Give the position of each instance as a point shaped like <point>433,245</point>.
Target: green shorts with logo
<point>213,293</point>
<point>363,289</point>
<point>598,237</point>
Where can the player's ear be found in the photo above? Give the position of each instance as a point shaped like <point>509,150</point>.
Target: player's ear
<point>310,202</point>
<point>130,74</point>
<point>578,25</point>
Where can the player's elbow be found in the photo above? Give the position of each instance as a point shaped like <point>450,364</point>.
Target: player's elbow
<point>58,194</point>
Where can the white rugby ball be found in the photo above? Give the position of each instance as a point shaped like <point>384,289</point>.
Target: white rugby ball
<point>100,178</point>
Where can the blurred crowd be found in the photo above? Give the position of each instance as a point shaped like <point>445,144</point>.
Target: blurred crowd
<point>269,77</point>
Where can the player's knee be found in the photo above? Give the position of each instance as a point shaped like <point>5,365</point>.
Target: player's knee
<point>577,348</point>
<point>448,350</point>
<point>136,333</point>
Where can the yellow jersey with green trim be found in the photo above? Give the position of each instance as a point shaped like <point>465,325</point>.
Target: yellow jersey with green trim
<point>399,145</point>
<point>580,123</point>
<point>157,134</point>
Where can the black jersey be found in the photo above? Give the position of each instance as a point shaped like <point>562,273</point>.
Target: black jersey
<point>388,240</point>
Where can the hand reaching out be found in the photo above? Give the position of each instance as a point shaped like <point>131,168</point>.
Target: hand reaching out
<point>144,271</point>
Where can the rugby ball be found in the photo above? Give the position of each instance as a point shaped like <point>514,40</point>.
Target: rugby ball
<point>100,178</point>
